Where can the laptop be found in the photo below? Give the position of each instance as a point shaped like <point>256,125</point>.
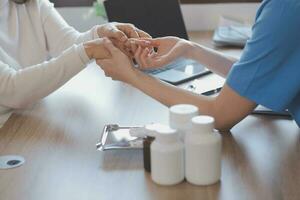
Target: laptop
<point>159,18</point>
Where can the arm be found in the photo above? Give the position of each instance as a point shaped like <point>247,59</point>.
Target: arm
<point>212,59</point>
<point>228,108</point>
<point>21,87</point>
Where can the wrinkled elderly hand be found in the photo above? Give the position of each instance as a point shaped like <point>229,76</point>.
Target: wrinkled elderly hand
<point>119,33</point>
<point>118,66</point>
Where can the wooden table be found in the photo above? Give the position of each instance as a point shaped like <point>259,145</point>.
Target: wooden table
<point>57,136</point>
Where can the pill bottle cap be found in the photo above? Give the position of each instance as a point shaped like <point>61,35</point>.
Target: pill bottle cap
<point>166,135</point>
<point>203,124</point>
<point>152,129</point>
<point>147,130</point>
<point>180,115</point>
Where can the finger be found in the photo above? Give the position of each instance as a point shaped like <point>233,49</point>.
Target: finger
<point>127,44</point>
<point>154,42</point>
<point>133,47</point>
<point>152,55</point>
<point>128,50</point>
<point>110,47</point>
<point>137,56</point>
<point>145,53</point>
<point>151,60</point>
<point>143,58</point>
<point>122,47</point>
<point>133,33</point>
<point>129,30</point>
<point>115,33</point>
<point>140,42</point>
<point>147,42</point>
<point>143,34</point>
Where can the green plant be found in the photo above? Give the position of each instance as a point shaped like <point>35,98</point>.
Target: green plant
<point>99,9</point>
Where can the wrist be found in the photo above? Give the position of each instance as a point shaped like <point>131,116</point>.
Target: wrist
<point>136,77</point>
<point>82,54</point>
<point>190,50</point>
<point>99,30</point>
<point>88,47</point>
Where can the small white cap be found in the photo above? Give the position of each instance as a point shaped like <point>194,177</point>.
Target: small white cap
<point>166,135</point>
<point>203,124</point>
<point>152,129</point>
<point>148,130</point>
<point>181,115</point>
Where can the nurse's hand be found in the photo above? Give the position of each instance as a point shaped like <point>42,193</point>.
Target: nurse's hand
<point>119,33</point>
<point>118,66</point>
<point>168,50</point>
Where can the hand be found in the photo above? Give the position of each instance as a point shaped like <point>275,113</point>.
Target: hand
<point>95,49</point>
<point>119,33</point>
<point>119,66</point>
<point>168,50</point>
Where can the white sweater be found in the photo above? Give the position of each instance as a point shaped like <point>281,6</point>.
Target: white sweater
<point>31,34</point>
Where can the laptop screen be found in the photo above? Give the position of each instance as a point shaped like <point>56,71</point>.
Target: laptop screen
<point>157,17</point>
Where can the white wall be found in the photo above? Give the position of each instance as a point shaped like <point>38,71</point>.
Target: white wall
<point>197,17</point>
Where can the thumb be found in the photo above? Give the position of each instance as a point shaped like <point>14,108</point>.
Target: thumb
<point>103,63</point>
<point>118,35</point>
<point>110,47</point>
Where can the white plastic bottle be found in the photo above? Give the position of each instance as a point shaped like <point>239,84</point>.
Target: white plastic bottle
<point>203,152</point>
<point>180,118</point>
<point>167,157</point>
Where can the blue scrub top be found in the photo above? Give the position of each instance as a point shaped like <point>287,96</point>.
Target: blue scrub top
<point>268,72</point>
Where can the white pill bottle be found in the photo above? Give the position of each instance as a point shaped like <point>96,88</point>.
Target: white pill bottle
<point>203,152</point>
<point>180,117</point>
<point>167,157</point>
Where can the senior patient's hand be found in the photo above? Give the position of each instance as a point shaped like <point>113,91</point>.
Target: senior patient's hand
<point>119,33</point>
<point>95,49</point>
<point>168,49</point>
<point>118,66</point>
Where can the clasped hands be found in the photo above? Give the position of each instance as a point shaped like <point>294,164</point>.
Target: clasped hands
<point>115,51</point>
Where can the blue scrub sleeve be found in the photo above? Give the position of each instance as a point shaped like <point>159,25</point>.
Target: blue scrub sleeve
<point>268,72</point>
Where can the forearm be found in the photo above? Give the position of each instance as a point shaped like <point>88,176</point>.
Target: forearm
<point>212,59</point>
<point>19,88</point>
<point>228,108</point>
<point>64,37</point>
<point>59,35</point>
<point>168,94</point>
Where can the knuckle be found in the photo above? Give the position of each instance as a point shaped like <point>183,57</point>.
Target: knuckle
<point>119,33</point>
<point>129,25</point>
